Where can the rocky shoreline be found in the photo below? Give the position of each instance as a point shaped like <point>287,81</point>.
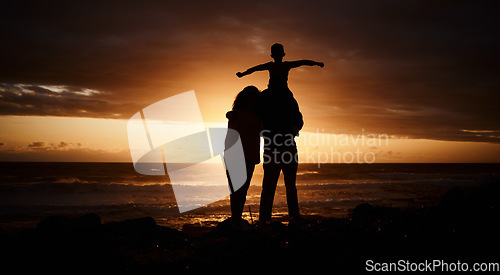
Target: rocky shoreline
<point>463,226</point>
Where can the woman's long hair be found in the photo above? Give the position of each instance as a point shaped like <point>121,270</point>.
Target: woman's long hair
<point>246,99</point>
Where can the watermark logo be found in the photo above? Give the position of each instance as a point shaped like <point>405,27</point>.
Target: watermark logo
<point>323,148</point>
<point>170,138</point>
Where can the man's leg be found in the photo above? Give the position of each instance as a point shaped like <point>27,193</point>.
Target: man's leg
<point>271,175</point>
<point>290,176</point>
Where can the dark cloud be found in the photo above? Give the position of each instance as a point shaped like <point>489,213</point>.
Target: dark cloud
<point>421,69</point>
<point>40,145</point>
<point>62,144</point>
<point>70,154</point>
<point>22,99</point>
<point>36,144</point>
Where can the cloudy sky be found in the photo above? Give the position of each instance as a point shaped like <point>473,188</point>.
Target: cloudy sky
<point>414,70</point>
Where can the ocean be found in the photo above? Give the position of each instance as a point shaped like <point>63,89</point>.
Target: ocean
<point>30,192</point>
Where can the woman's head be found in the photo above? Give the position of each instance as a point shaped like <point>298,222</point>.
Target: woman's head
<point>246,99</point>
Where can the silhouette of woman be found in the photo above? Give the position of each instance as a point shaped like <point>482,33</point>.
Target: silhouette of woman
<point>244,120</point>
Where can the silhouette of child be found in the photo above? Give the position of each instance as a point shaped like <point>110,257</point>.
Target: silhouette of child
<point>278,95</point>
<point>278,70</point>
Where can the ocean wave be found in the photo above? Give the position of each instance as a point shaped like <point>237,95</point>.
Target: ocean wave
<point>437,176</point>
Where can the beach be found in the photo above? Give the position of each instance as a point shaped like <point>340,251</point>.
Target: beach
<point>30,192</point>
<point>461,227</point>
<point>104,218</point>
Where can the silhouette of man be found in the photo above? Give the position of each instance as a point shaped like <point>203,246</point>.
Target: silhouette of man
<point>282,121</point>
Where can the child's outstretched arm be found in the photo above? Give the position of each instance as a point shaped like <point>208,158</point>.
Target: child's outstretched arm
<point>261,67</point>
<point>298,63</point>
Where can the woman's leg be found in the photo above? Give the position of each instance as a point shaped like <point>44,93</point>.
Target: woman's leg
<point>238,198</point>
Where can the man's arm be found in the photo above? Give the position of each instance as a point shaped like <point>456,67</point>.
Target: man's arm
<point>298,63</point>
<point>261,67</point>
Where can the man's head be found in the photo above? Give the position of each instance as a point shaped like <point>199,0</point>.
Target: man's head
<point>277,52</point>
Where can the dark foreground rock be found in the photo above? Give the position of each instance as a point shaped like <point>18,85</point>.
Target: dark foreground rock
<point>463,226</point>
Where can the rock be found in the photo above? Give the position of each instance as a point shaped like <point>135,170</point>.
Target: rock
<point>59,223</point>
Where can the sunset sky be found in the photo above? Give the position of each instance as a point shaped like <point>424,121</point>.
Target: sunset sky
<point>422,73</point>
